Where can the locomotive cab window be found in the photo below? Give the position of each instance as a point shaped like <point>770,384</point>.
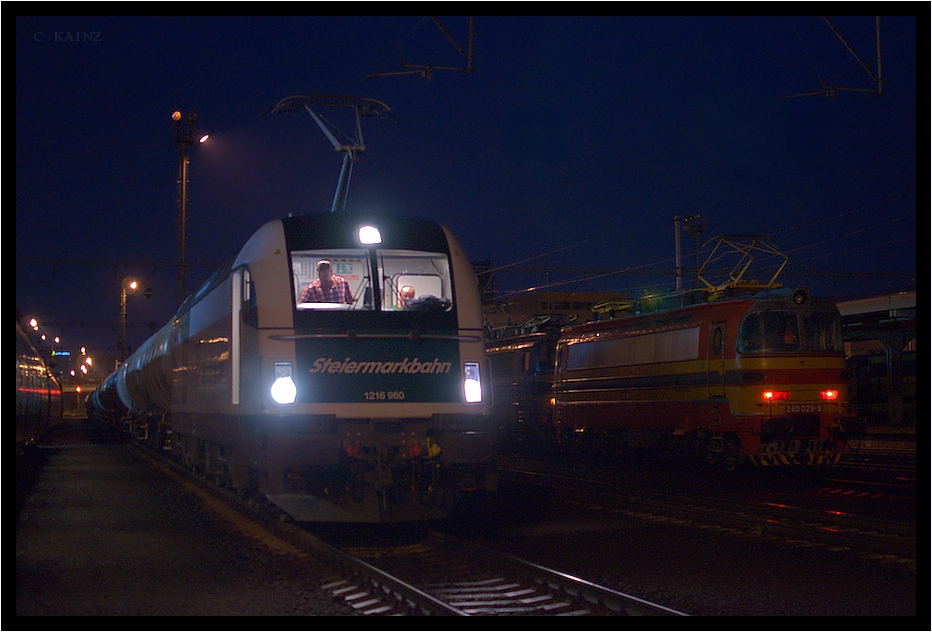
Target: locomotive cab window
<point>414,281</point>
<point>331,280</point>
<point>790,332</point>
<point>386,280</point>
<point>769,332</point>
<point>822,332</point>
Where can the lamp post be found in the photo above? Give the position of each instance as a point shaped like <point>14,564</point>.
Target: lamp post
<point>127,284</point>
<point>184,135</point>
<point>692,225</point>
<point>695,226</point>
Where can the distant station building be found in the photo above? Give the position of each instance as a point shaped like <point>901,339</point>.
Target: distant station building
<point>78,379</point>
<point>564,307</point>
<point>880,342</point>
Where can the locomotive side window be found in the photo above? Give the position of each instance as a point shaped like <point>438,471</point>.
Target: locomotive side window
<point>665,346</point>
<point>717,340</point>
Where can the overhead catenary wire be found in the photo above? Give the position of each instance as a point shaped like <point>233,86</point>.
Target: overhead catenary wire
<point>656,268</point>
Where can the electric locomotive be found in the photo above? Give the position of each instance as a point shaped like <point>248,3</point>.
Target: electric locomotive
<point>758,378</point>
<point>522,363</point>
<point>368,410</point>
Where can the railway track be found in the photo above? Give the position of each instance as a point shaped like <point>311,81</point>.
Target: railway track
<point>442,575</point>
<point>758,518</point>
<point>436,575</point>
<point>446,575</point>
<point>899,464</point>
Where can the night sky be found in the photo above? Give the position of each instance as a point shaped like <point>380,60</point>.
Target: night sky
<point>568,150</point>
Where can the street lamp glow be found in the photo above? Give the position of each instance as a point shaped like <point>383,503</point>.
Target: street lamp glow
<point>126,284</point>
<point>203,139</point>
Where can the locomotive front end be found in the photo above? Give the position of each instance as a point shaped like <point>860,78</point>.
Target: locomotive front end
<point>796,393</point>
<point>381,390</point>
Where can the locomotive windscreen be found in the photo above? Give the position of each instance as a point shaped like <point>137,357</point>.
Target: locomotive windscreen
<point>389,280</point>
<point>779,331</point>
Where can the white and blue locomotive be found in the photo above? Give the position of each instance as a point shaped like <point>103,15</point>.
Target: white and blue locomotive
<point>373,410</point>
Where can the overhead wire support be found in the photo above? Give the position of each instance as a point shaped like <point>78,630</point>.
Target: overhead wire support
<point>427,71</point>
<point>877,79</point>
<point>362,107</point>
<point>830,90</point>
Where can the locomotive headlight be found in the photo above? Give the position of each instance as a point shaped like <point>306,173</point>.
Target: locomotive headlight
<point>369,235</point>
<point>283,389</point>
<point>472,386</point>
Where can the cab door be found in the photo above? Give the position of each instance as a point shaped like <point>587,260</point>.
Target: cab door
<point>715,372</point>
<point>244,344</point>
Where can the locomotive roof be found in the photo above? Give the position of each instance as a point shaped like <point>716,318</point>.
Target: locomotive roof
<point>678,307</point>
<point>339,230</point>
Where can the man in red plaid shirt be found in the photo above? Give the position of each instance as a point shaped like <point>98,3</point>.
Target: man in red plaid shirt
<point>327,288</point>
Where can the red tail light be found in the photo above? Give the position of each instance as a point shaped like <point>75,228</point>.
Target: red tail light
<point>775,396</point>
<point>829,395</point>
